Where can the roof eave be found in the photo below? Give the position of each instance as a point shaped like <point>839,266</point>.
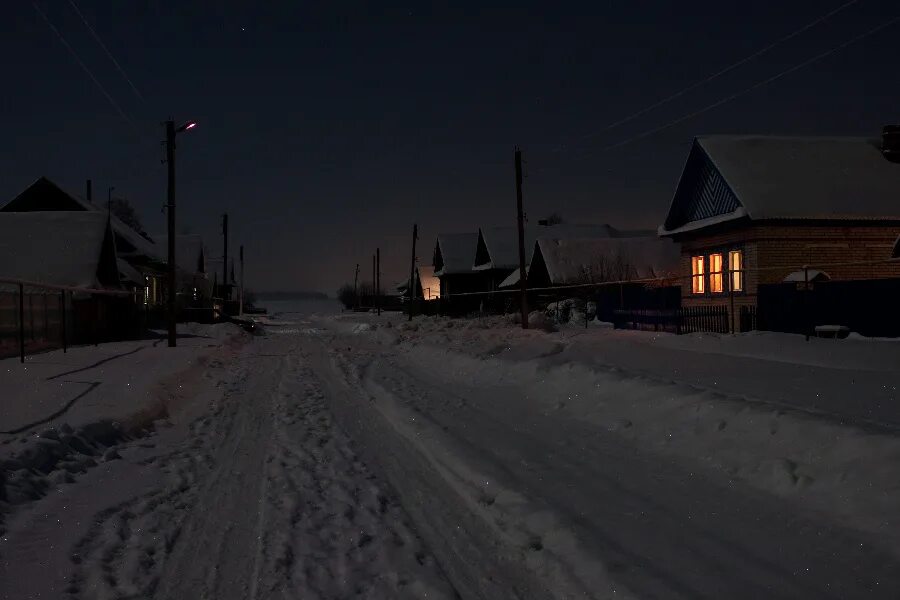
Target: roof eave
<point>695,226</point>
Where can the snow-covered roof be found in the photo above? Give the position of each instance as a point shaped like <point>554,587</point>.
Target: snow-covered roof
<point>800,276</point>
<point>498,247</point>
<point>189,251</point>
<point>128,274</point>
<point>59,248</point>
<point>43,186</point>
<point>512,279</point>
<point>779,177</point>
<point>453,253</point>
<point>501,247</point>
<point>591,260</point>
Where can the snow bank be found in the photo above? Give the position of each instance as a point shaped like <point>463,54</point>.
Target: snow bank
<point>63,412</point>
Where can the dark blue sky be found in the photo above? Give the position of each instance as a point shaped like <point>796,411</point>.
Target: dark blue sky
<point>327,128</point>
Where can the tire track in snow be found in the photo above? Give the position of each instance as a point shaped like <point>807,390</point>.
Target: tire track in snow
<point>266,499</point>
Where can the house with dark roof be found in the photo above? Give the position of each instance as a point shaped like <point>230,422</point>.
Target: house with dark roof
<point>753,210</point>
<point>454,254</point>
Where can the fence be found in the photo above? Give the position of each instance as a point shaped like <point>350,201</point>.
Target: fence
<point>36,317</point>
<point>870,307</point>
<point>683,320</point>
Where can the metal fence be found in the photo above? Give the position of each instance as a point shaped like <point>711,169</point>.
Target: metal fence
<point>36,317</point>
<point>683,320</point>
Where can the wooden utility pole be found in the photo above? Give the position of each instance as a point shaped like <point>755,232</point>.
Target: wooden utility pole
<point>356,286</point>
<point>521,226</point>
<point>378,281</point>
<point>241,294</point>
<point>412,272</point>
<point>374,280</point>
<point>170,215</point>
<point>225,281</point>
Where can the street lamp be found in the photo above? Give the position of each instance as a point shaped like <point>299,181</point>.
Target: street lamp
<point>171,132</point>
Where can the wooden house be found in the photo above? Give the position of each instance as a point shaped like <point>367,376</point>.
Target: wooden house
<point>140,258</point>
<point>71,250</point>
<point>753,210</point>
<point>579,261</point>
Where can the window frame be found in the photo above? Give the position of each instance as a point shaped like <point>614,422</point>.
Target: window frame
<point>726,272</point>
<point>740,272</point>
<point>701,276</point>
<point>720,273</point>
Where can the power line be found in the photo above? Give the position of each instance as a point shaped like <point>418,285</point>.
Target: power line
<point>83,66</point>
<point>106,50</point>
<point>755,86</point>
<point>727,69</point>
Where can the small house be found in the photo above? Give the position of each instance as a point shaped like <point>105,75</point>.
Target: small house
<point>63,250</point>
<point>139,257</point>
<point>756,210</point>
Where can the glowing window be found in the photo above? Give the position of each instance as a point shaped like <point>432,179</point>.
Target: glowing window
<point>697,280</point>
<point>716,279</point>
<point>736,267</point>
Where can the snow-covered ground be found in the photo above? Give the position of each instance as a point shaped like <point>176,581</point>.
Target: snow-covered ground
<point>351,455</point>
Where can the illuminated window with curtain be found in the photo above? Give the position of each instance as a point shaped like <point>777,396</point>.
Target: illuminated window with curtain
<point>697,280</point>
<point>736,267</point>
<point>716,279</point>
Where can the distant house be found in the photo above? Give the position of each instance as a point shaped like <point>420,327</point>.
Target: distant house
<point>190,258</point>
<point>428,286</point>
<point>577,261</point>
<point>139,257</point>
<point>752,210</point>
<point>453,255</point>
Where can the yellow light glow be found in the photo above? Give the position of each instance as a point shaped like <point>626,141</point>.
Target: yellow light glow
<point>697,281</point>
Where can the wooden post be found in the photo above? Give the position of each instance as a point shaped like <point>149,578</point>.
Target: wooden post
<point>805,292</point>
<point>374,279</point>
<point>356,286</point>
<point>731,298</point>
<point>520,222</point>
<point>378,281</point>
<point>21,323</point>
<point>62,319</point>
<point>412,272</point>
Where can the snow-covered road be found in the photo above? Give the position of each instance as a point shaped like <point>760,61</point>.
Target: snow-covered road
<point>585,512</point>
<point>342,457</point>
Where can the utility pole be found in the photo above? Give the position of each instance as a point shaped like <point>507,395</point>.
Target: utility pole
<point>241,296</point>
<point>374,279</point>
<point>378,281</point>
<point>356,286</point>
<point>170,215</point>
<point>412,272</point>
<point>521,226</point>
<point>225,281</point>
<point>109,201</point>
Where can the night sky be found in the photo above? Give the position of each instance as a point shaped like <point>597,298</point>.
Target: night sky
<point>326,129</point>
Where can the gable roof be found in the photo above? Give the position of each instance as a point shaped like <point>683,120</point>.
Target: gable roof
<point>59,248</point>
<point>574,261</point>
<point>190,254</point>
<point>453,253</point>
<point>775,177</point>
<point>498,247</point>
<point>45,195</point>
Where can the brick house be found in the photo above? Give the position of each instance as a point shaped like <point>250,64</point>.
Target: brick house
<point>752,210</point>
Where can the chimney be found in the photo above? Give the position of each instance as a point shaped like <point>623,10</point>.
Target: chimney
<point>890,142</point>
<point>88,194</point>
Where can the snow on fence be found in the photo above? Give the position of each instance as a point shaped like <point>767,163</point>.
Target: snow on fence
<point>37,316</point>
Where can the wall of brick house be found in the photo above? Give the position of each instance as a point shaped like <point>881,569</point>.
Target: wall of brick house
<point>781,249</point>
